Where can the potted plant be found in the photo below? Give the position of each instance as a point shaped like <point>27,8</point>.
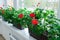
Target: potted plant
<point>7,14</point>
<point>43,25</point>
<point>19,18</point>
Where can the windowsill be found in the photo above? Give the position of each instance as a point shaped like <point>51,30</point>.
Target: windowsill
<point>20,34</point>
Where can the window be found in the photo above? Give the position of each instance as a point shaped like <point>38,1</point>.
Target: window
<point>1,3</point>
<point>10,3</point>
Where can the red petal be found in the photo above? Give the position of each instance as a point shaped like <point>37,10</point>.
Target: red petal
<point>32,15</point>
<point>20,15</point>
<point>35,21</point>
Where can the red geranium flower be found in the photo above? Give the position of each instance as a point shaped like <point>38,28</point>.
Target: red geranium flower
<point>32,15</point>
<point>35,21</point>
<point>20,15</point>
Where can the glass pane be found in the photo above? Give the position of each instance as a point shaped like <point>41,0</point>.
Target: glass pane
<point>1,3</point>
<point>10,3</point>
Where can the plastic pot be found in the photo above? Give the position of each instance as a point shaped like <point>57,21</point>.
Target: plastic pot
<point>40,37</point>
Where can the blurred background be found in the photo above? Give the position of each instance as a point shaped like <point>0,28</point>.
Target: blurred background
<point>32,4</point>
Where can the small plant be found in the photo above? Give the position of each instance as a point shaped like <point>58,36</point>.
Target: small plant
<point>42,24</point>
<point>7,14</point>
<point>20,18</point>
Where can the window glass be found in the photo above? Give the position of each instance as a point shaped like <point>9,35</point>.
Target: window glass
<point>10,3</point>
<point>1,3</point>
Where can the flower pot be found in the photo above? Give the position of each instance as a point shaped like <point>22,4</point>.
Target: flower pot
<point>40,37</point>
<point>18,26</point>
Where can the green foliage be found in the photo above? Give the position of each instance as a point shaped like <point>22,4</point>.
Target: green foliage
<point>22,21</point>
<point>0,12</point>
<point>8,14</point>
<point>46,18</point>
<point>47,22</point>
